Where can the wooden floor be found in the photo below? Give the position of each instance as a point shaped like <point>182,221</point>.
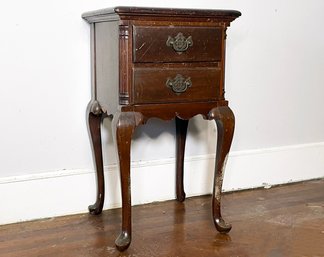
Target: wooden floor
<point>286,221</point>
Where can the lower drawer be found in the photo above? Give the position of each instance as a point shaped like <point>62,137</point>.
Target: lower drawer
<point>167,85</point>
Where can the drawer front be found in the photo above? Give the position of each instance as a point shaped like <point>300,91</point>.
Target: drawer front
<point>176,44</point>
<point>156,85</point>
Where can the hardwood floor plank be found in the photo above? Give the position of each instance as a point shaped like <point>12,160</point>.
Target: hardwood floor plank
<point>285,221</point>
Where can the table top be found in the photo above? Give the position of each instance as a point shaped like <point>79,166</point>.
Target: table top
<point>162,12</point>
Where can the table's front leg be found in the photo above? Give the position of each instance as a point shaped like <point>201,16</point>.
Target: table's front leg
<point>124,125</point>
<point>225,122</point>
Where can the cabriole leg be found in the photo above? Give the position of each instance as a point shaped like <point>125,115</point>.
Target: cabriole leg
<point>95,116</point>
<point>225,122</point>
<point>181,133</point>
<point>124,125</point>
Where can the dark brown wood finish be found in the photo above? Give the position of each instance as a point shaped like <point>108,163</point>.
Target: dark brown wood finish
<point>285,221</point>
<point>150,44</point>
<point>163,63</point>
<point>150,84</point>
<point>181,134</point>
<point>125,12</point>
<point>95,116</point>
<point>124,124</point>
<point>225,122</point>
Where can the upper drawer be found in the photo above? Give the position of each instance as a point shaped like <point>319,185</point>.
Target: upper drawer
<point>176,44</point>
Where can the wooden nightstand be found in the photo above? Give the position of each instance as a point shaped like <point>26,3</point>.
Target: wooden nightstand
<point>164,63</point>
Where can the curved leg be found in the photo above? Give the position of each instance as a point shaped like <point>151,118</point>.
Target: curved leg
<point>95,116</point>
<point>124,125</point>
<point>181,133</point>
<point>225,122</point>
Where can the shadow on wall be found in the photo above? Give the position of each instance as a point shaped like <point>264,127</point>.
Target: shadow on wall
<point>156,139</point>
<point>155,127</point>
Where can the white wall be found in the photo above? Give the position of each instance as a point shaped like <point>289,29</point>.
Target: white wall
<point>275,64</point>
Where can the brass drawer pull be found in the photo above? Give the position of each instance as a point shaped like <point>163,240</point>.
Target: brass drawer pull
<point>179,84</point>
<point>180,43</point>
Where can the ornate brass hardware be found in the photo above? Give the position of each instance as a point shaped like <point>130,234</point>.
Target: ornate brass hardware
<point>180,43</point>
<point>179,84</point>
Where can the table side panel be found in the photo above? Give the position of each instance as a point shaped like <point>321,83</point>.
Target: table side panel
<point>107,65</point>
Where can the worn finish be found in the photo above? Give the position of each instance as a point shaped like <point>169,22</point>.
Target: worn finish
<point>162,63</point>
<point>151,84</point>
<point>141,13</point>
<point>153,44</point>
<point>225,122</point>
<point>124,124</point>
<point>285,221</point>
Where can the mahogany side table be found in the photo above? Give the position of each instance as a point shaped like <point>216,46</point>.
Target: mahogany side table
<point>163,63</point>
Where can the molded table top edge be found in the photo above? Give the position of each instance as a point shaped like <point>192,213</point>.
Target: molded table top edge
<point>115,12</point>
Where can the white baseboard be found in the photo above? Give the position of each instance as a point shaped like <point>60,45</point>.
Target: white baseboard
<point>66,192</point>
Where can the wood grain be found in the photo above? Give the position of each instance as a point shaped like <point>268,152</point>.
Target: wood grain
<point>150,84</point>
<point>109,14</point>
<point>150,44</point>
<point>156,63</point>
<point>285,221</point>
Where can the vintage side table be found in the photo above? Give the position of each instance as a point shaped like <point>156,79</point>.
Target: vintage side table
<point>163,63</point>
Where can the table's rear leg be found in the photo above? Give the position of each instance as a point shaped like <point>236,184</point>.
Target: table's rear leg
<point>225,122</point>
<point>95,116</point>
<point>181,134</point>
